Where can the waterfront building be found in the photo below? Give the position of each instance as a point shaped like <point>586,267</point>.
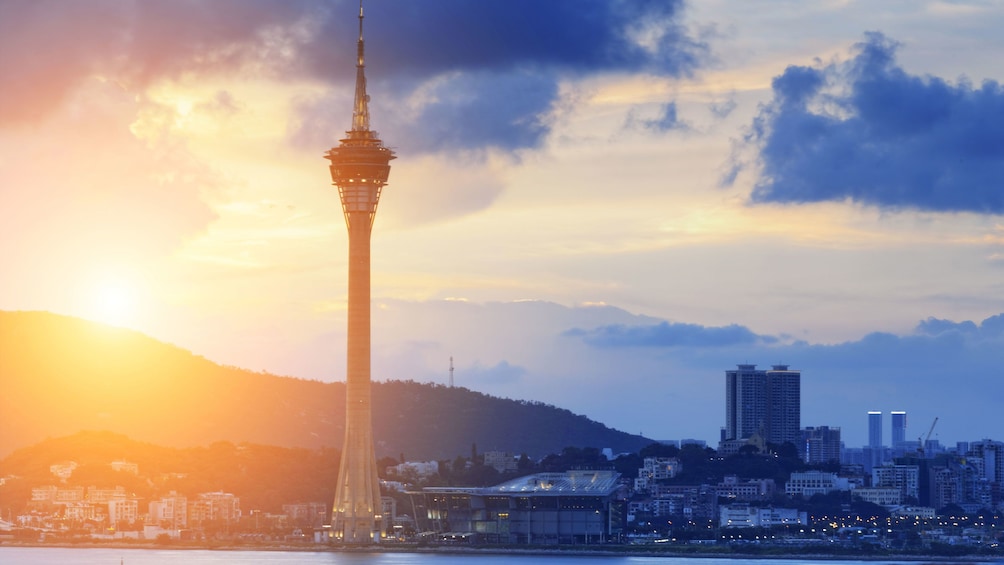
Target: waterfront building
<point>746,516</point>
<point>122,510</point>
<point>574,507</point>
<point>221,507</point>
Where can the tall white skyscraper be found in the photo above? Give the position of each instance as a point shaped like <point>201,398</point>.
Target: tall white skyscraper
<point>898,429</point>
<point>875,430</point>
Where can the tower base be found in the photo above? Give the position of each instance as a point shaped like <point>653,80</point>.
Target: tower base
<point>355,530</point>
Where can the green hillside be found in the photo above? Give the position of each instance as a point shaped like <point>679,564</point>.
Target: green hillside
<point>60,375</point>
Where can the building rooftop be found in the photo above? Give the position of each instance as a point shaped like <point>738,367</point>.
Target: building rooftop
<point>570,482</point>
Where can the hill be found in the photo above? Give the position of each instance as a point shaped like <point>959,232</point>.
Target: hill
<point>60,375</point>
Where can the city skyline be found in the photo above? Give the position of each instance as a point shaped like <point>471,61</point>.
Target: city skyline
<point>608,203</point>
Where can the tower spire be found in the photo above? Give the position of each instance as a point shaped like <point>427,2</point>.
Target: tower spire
<point>361,110</point>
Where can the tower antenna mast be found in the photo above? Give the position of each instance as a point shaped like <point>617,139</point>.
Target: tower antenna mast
<point>361,109</point>
<point>451,371</point>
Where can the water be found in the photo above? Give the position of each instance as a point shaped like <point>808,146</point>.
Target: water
<point>106,556</point>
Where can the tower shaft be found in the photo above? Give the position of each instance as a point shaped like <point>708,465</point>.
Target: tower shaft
<point>356,511</point>
<point>360,166</point>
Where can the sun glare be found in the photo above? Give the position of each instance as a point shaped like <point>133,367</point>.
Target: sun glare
<point>114,300</point>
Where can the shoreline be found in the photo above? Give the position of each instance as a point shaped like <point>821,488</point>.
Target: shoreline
<point>614,551</point>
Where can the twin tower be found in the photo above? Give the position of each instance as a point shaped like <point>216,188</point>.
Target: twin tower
<point>360,166</point>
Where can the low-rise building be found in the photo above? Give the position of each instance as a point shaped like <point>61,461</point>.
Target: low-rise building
<point>923,512</point>
<point>103,495</point>
<point>123,510</point>
<point>655,469</point>
<point>63,470</point>
<point>809,483</point>
<point>215,507</point>
<point>750,490</point>
<point>883,496</point>
<point>746,516</point>
<point>169,512</point>
<point>125,467</point>
<point>501,461</point>
<point>413,470</point>
<point>906,478</point>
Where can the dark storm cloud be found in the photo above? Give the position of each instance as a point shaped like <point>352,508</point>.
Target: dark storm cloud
<point>667,334</point>
<point>867,131</point>
<point>428,37</point>
<point>497,62</point>
<point>470,110</point>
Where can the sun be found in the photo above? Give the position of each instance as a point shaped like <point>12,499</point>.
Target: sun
<point>114,300</point>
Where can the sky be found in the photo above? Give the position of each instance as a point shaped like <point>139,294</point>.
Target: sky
<point>597,204</point>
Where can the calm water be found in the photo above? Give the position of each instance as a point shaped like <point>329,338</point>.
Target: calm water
<point>69,556</point>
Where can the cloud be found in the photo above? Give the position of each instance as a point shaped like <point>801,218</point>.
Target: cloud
<point>476,110</point>
<point>666,334</point>
<point>49,47</point>
<point>455,75</point>
<point>485,71</point>
<point>668,120</point>
<point>866,131</point>
<point>432,37</point>
<point>131,200</point>
<point>990,328</point>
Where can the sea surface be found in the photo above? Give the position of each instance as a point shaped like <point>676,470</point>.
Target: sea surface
<point>106,556</point>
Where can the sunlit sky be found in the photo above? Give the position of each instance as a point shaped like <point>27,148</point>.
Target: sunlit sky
<point>601,205</point>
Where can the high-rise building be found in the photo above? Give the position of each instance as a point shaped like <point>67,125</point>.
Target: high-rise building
<point>898,429</point>
<point>763,402</point>
<point>875,430</point>
<point>992,454</point>
<point>821,444</point>
<point>784,405</point>
<point>745,402</point>
<point>360,166</point>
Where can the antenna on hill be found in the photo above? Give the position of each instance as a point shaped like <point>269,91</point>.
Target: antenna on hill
<point>451,371</point>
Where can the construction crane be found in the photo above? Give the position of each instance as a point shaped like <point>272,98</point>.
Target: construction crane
<point>923,441</point>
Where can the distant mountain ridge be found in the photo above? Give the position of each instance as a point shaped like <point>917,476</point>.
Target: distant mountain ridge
<point>60,375</point>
